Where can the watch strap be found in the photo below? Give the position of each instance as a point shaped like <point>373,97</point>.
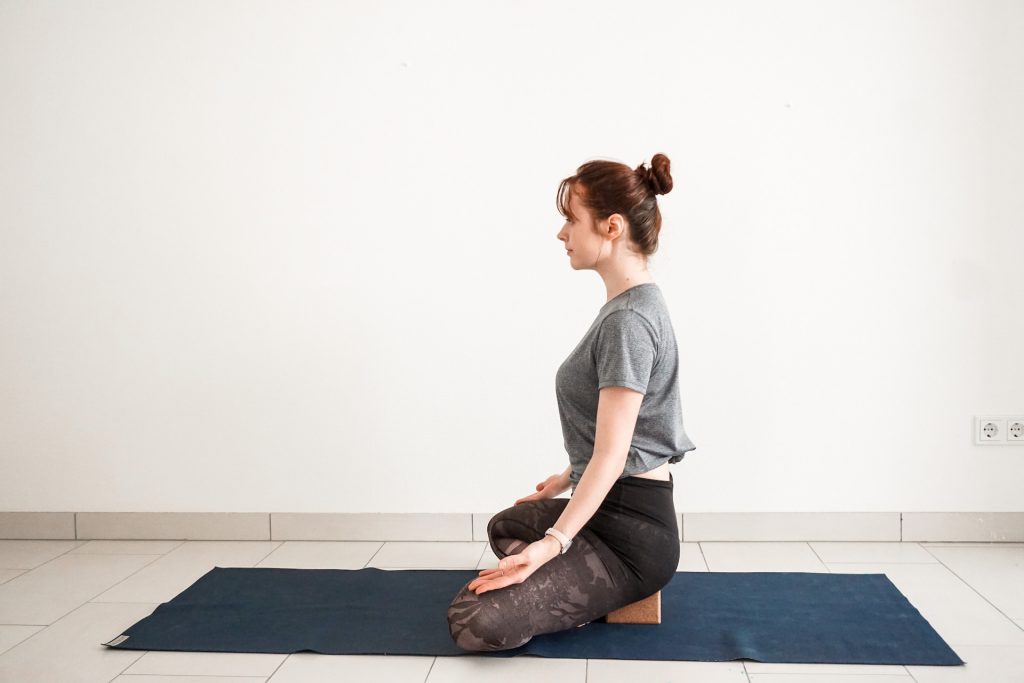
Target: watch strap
<point>562,539</point>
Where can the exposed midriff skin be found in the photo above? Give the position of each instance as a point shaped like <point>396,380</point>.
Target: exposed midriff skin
<point>659,472</point>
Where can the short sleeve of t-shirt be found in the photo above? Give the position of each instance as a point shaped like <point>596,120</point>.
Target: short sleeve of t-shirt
<point>625,351</point>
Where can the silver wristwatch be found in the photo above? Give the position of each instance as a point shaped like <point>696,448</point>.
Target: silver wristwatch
<point>562,539</point>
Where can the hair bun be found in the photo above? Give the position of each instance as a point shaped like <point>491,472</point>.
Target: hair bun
<point>658,176</point>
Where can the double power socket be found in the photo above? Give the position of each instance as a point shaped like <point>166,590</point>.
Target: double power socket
<point>999,430</point>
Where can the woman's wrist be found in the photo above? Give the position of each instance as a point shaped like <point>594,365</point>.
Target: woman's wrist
<point>553,544</point>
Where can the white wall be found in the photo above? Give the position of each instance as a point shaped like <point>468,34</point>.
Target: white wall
<point>276,256</point>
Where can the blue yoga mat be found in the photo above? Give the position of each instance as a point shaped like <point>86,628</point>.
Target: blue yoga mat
<point>706,616</point>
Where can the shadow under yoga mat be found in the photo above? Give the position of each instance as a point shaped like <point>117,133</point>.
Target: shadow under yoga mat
<point>706,616</point>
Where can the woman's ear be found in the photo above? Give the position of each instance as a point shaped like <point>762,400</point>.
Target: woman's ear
<point>616,224</point>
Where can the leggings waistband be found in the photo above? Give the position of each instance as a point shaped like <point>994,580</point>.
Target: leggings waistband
<point>646,482</point>
<point>650,500</point>
<point>633,483</point>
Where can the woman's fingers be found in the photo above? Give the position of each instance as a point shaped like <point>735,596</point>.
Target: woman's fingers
<point>488,584</point>
<point>506,573</point>
<point>539,495</point>
<point>494,581</point>
<point>495,584</point>
<point>488,572</point>
<point>477,582</point>
<point>527,499</point>
<point>510,563</point>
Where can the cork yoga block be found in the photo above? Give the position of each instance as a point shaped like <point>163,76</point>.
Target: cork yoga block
<point>646,611</point>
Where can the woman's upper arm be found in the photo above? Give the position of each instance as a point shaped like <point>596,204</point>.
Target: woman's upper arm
<point>617,411</point>
<point>624,352</point>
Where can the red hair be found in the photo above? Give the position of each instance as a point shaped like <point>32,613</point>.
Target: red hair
<point>607,187</point>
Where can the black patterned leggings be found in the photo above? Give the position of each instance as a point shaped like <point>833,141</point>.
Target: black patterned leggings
<point>627,551</point>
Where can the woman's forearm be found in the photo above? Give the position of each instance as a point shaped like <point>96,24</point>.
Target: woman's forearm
<point>597,479</point>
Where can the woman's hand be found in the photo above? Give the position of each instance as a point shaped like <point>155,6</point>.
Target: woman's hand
<point>549,488</point>
<point>516,568</point>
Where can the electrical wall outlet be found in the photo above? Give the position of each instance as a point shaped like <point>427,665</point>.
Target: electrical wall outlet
<point>1005,430</point>
<point>1015,429</point>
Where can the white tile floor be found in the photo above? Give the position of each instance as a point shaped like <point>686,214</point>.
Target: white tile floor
<point>59,599</point>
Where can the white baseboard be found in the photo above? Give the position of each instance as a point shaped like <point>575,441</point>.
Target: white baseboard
<point>996,527</point>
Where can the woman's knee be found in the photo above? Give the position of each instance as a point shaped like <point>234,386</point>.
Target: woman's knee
<point>501,534</point>
<point>478,625</point>
<point>526,522</point>
<point>504,531</point>
<point>515,514</point>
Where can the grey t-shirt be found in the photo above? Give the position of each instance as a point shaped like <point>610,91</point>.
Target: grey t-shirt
<point>631,344</point>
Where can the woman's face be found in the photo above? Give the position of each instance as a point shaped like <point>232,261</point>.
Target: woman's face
<point>583,243</point>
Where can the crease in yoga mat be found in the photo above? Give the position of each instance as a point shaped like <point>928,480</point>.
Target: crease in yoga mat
<point>797,617</point>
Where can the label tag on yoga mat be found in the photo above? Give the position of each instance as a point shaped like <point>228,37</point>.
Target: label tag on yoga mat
<point>117,641</point>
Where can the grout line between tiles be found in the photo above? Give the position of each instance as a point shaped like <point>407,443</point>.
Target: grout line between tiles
<point>273,549</point>
<point>703,557</point>
<point>277,668</point>
<point>142,653</point>
<point>374,555</point>
<point>432,663</point>
<point>56,557</point>
<point>156,558</point>
<point>47,626</point>
<point>823,562</point>
<point>968,584</point>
